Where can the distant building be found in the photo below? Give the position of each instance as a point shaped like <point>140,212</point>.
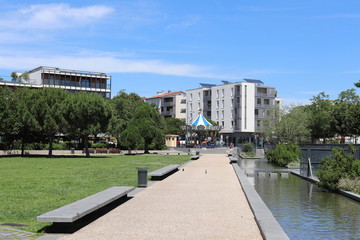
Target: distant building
<point>69,79</point>
<point>170,104</point>
<point>238,108</point>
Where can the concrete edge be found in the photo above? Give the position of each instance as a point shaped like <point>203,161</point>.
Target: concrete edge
<point>348,194</point>
<point>270,229</point>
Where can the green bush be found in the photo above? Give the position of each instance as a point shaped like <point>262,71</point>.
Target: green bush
<point>339,167</point>
<point>99,145</point>
<point>247,148</point>
<point>283,154</point>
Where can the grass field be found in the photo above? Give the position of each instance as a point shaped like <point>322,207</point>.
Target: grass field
<point>31,186</point>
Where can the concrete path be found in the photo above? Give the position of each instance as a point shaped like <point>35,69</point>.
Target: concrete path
<point>14,234</point>
<point>205,201</point>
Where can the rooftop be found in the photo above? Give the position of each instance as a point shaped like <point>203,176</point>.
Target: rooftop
<point>164,95</point>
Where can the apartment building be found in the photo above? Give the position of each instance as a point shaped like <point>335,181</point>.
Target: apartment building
<point>238,108</point>
<point>69,79</point>
<point>170,104</point>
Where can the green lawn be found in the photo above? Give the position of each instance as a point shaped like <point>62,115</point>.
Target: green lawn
<point>31,186</point>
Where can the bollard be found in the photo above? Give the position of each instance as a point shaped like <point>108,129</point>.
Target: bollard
<point>142,176</point>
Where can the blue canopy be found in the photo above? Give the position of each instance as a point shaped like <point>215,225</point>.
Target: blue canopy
<point>201,121</point>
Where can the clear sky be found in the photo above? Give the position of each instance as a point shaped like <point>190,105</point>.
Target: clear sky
<point>300,47</point>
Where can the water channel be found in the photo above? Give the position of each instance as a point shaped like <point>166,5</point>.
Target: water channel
<point>304,210</point>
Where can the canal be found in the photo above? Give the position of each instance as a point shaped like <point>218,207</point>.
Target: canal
<point>304,210</point>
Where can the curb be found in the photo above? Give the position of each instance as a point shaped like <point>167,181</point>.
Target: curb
<point>270,229</point>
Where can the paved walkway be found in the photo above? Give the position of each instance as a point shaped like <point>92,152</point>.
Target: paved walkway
<point>14,234</point>
<point>205,201</point>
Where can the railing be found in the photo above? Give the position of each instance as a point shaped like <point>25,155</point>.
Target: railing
<point>66,83</point>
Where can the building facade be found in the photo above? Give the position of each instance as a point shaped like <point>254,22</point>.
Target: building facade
<point>238,108</point>
<point>71,80</point>
<point>171,104</point>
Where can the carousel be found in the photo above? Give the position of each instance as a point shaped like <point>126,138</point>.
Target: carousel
<point>201,133</point>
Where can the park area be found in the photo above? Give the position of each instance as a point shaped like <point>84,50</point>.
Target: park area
<point>31,186</point>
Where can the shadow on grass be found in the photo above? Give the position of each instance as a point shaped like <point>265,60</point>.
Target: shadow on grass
<point>77,225</point>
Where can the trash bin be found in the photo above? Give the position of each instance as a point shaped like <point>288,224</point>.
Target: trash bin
<point>197,153</point>
<point>142,176</point>
<point>72,150</point>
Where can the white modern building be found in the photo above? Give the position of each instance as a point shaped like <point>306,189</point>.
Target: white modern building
<point>238,108</point>
<point>170,104</point>
<point>69,79</point>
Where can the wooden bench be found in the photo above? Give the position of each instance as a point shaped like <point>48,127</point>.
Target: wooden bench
<point>76,210</point>
<point>114,150</point>
<point>163,172</point>
<point>101,150</point>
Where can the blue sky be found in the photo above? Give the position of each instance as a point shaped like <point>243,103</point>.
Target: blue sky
<point>300,47</point>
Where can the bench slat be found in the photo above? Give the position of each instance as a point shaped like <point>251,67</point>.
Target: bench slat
<point>78,209</point>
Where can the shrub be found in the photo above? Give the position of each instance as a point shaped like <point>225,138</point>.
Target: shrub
<point>99,145</point>
<point>283,154</point>
<point>341,170</point>
<point>247,148</point>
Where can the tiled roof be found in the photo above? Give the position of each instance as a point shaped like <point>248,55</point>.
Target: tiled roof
<point>165,95</point>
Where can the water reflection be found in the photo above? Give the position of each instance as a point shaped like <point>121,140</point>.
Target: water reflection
<point>304,210</point>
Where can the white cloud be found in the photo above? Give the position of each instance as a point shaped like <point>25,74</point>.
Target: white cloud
<point>110,65</point>
<point>53,16</point>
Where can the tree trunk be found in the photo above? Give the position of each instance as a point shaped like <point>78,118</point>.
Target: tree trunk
<point>22,147</point>
<point>50,147</point>
<point>146,148</point>
<point>86,145</point>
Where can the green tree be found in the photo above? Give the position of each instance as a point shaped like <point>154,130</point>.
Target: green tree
<point>50,113</point>
<point>14,76</point>
<point>7,116</point>
<point>25,76</point>
<point>291,126</point>
<point>344,115</point>
<point>86,114</point>
<point>26,127</point>
<point>148,124</point>
<point>320,111</point>
<point>132,138</point>
<point>124,106</point>
<point>173,126</point>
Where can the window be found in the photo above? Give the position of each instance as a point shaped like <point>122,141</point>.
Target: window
<point>222,93</point>
<point>222,103</point>
<point>169,100</point>
<point>258,123</point>
<point>209,103</point>
<point>256,112</point>
<point>262,90</point>
<point>232,92</point>
<point>183,110</point>
<point>258,101</point>
<point>267,101</point>
<point>222,114</point>
<point>217,93</point>
<point>217,114</point>
<point>190,96</point>
<point>183,101</point>
<point>208,113</point>
<point>199,96</point>
<point>217,104</point>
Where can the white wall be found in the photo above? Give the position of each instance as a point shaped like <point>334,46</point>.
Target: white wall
<point>248,107</point>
